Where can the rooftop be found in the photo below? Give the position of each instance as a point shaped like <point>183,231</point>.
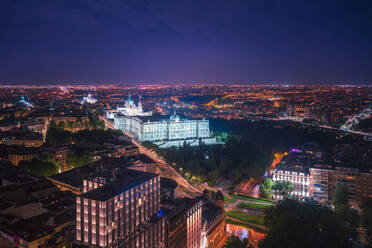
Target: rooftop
<point>125,180</point>
<point>101,168</point>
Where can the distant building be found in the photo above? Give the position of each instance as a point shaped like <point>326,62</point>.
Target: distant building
<point>36,215</point>
<point>60,154</point>
<point>130,108</point>
<point>27,139</point>
<point>324,178</point>
<point>166,131</point>
<point>17,155</point>
<point>25,103</point>
<point>88,99</point>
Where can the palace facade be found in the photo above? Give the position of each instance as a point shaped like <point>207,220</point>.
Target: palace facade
<point>166,131</point>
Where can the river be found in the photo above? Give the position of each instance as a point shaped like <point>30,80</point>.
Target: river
<point>253,236</point>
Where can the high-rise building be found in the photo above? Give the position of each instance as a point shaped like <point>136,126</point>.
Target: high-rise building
<point>120,210</point>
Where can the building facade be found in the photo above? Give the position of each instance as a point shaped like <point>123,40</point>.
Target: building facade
<point>300,180</point>
<point>214,226</point>
<point>121,211</point>
<point>184,222</point>
<point>320,183</point>
<point>166,131</point>
<point>324,178</point>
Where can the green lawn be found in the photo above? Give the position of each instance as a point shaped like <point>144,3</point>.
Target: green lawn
<point>229,199</point>
<point>228,221</point>
<point>255,206</point>
<point>249,198</point>
<point>245,217</point>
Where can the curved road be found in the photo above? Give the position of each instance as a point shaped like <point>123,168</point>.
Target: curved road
<point>164,169</point>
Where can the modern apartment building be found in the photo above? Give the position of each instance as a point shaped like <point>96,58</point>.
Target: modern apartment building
<point>120,210</point>
<point>324,178</point>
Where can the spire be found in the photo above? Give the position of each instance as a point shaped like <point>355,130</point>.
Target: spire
<point>130,100</point>
<point>140,103</point>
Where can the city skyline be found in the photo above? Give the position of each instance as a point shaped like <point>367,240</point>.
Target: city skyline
<point>95,42</point>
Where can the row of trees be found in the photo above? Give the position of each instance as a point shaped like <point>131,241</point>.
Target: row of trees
<point>47,164</point>
<point>293,223</point>
<point>57,135</point>
<point>237,159</point>
<point>39,167</point>
<point>93,122</point>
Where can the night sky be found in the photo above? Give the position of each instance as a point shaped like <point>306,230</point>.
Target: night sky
<point>185,41</point>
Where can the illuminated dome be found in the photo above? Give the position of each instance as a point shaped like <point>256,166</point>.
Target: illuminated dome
<point>174,117</point>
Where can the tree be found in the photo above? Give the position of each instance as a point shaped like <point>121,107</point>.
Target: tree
<point>74,159</point>
<point>38,167</point>
<point>265,188</point>
<point>283,187</point>
<point>235,242</point>
<point>350,217</point>
<point>305,224</point>
<point>366,219</point>
<point>61,125</point>
<point>340,197</point>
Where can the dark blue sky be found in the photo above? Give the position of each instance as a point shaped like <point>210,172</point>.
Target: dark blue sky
<point>211,41</point>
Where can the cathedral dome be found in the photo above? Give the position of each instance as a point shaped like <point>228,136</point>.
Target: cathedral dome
<point>174,117</point>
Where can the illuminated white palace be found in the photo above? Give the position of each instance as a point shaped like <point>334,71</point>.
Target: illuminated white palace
<point>166,131</point>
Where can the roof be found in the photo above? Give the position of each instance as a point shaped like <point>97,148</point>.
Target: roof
<point>102,167</point>
<point>126,180</point>
<point>158,118</point>
<point>210,212</point>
